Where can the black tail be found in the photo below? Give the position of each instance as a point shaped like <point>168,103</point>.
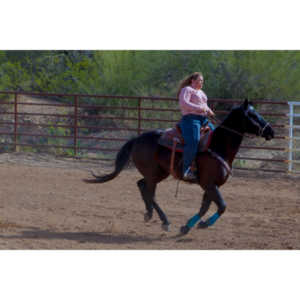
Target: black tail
<point>121,161</point>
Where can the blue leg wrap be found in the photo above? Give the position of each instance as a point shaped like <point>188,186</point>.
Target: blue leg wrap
<point>210,221</point>
<point>192,221</point>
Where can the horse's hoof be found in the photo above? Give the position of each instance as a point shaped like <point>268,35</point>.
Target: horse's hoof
<point>202,225</point>
<point>147,218</point>
<point>165,227</point>
<point>184,229</point>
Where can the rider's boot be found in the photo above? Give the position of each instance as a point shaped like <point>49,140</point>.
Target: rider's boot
<point>189,175</point>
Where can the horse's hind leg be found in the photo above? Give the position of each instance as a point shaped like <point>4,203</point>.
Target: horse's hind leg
<point>148,192</point>
<point>147,196</point>
<point>162,216</point>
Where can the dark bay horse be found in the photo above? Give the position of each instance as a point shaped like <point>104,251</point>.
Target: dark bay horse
<point>153,162</point>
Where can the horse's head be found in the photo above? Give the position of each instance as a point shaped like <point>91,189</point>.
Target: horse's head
<point>254,123</point>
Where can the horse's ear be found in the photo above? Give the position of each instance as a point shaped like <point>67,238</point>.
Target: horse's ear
<point>246,103</point>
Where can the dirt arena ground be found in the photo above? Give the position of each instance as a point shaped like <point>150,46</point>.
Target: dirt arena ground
<point>44,204</point>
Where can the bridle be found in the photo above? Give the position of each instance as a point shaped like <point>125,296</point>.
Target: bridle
<point>261,131</point>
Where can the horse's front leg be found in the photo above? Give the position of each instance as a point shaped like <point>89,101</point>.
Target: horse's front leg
<point>215,196</point>
<point>192,221</point>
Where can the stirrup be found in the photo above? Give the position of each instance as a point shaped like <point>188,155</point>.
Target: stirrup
<point>189,175</point>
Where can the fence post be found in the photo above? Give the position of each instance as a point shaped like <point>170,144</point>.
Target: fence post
<point>139,116</point>
<point>16,122</point>
<point>291,115</point>
<point>75,124</point>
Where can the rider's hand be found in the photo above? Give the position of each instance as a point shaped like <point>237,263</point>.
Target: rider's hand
<point>210,113</point>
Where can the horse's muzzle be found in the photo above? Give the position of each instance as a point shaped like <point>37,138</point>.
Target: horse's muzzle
<point>268,133</point>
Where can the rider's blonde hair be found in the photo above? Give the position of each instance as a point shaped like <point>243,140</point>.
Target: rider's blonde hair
<point>188,80</point>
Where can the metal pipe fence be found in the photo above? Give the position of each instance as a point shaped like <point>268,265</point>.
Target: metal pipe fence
<point>96,126</point>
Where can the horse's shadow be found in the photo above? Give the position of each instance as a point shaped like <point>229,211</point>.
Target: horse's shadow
<point>82,237</point>
<point>89,237</point>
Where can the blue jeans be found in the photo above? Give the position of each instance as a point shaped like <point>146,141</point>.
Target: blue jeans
<point>190,126</point>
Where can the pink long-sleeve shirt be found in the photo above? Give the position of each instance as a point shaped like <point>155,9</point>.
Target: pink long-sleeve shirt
<point>193,101</point>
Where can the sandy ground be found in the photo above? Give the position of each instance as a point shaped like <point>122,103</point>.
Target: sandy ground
<point>44,204</point>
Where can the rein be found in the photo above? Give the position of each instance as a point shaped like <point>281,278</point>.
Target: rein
<point>219,122</point>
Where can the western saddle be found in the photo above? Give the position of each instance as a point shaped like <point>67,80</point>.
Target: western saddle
<point>172,138</point>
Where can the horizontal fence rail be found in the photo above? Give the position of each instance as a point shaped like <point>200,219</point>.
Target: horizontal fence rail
<point>83,125</point>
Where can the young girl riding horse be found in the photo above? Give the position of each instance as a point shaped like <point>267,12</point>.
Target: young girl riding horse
<point>194,110</point>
